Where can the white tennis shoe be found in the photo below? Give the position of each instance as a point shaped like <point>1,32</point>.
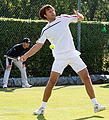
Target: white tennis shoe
<point>39,111</point>
<point>4,86</point>
<point>26,85</point>
<point>98,108</point>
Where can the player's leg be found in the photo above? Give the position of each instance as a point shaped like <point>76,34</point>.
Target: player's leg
<point>81,69</point>
<point>23,73</point>
<point>51,83</point>
<point>48,90</point>
<point>88,85</point>
<point>6,74</point>
<point>79,66</point>
<point>57,69</point>
<point>84,75</point>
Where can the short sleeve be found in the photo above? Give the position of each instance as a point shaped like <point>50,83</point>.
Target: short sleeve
<point>69,18</point>
<point>42,38</point>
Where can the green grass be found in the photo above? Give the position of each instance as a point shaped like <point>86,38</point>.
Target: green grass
<point>66,103</point>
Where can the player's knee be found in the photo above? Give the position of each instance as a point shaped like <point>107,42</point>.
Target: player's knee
<point>52,83</point>
<point>86,78</point>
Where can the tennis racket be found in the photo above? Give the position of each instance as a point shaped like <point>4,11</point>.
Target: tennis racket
<point>12,58</point>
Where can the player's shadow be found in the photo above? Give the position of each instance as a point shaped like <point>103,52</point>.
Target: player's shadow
<point>60,87</point>
<point>85,118</point>
<point>8,89</point>
<point>41,117</point>
<point>106,86</point>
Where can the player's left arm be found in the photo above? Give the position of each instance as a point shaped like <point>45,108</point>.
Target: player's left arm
<point>80,16</point>
<point>31,52</point>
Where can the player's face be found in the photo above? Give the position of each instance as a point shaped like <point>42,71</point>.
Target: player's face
<point>50,14</point>
<point>26,45</point>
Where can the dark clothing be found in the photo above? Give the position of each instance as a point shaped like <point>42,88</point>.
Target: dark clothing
<point>16,50</point>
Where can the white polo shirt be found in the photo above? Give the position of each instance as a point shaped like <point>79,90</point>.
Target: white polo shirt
<point>58,34</point>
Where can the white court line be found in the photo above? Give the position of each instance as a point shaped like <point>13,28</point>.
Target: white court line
<point>84,107</point>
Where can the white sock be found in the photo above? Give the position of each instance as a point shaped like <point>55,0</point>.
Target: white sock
<point>43,104</point>
<point>94,101</point>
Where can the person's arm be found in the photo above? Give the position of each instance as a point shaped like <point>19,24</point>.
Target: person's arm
<point>80,16</point>
<point>70,18</point>
<point>31,52</point>
<point>11,53</point>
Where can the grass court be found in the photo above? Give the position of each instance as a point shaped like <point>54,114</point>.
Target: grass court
<point>66,103</point>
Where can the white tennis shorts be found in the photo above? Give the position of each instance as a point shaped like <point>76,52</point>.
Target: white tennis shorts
<point>76,63</point>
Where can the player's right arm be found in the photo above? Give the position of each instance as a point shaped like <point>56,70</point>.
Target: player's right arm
<point>35,48</point>
<point>31,52</point>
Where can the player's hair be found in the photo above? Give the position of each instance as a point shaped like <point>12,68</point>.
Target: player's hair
<point>42,11</point>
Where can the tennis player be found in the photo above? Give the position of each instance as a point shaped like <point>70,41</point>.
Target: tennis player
<point>58,33</point>
<point>16,51</point>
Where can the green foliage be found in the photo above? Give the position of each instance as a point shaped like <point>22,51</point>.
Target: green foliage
<point>96,41</point>
<point>96,10</point>
<point>93,46</point>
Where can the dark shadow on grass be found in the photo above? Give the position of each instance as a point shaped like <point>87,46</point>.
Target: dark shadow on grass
<point>8,89</point>
<point>106,86</point>
<point>85,118</point>
<point>60,87</point>
<point>41,117</point>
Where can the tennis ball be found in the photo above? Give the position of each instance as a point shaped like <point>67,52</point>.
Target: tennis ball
<point>51,46</point>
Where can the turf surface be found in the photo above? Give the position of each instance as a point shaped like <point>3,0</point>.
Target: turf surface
<point>66,103</point>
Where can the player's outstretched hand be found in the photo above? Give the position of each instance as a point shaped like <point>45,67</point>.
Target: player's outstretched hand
<point>75,11</point>
<point>23,58</point>
<point>80,16</point>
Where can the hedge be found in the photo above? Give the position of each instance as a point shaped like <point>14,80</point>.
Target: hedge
<point>93,45</point>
